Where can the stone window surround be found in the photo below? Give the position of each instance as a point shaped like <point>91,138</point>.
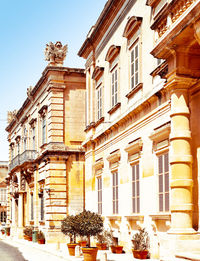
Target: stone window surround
<point>160,136</point>
<point>112,57</point>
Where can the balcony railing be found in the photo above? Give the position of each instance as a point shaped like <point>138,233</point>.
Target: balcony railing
<point>26,156</point>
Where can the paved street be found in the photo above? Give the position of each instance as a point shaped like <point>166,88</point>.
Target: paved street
<point>14,251</point>
<point>10,253</point>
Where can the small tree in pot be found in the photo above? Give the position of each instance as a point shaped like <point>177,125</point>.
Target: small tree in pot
<point>69,228</point>
<point>90,224</point>
<point>140,244</point>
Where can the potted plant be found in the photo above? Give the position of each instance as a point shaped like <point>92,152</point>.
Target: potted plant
<point>28,231</point>
<point>113,242</point>
<point>140,244</point>
<point>102,240</point>
<point>82,242</point>
<point>69,227</point>
<point>40,237</point>
<point>90,224</point>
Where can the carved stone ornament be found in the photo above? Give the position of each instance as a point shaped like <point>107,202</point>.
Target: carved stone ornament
<point>11,115</point>
<point>55,53</point>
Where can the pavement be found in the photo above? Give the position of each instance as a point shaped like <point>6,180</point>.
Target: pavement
<point>59,252</point>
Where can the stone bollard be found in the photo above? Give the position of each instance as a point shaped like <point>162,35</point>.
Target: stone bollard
<point>103,257</point>
<point>77,251</point>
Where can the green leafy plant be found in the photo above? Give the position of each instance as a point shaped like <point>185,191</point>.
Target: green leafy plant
<point>69,227</point>
<point>89,224</point>
<point>141,240</point>
<point>40,235</point>
<point>28,231</point>
<point>111,239</point>
<point>103,237</point>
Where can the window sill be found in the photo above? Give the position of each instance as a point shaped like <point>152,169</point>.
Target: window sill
<point>90,126</point>
<point>99,121</point>
<point>135,217</point>
<point>31,222</point>
<point>42,223</point>
<point>113,109</point>
<point>134,90</point>
<point>114,218</point>
<point>161,216</point>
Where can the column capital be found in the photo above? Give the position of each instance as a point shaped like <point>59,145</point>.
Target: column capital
<point>179,82</point>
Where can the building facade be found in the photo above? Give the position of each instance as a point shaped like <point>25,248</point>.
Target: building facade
<point>46,170</point>
<point>3,191</point>
<point>142,133</point>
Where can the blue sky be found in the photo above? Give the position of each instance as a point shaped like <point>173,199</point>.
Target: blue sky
<point>25,27</point>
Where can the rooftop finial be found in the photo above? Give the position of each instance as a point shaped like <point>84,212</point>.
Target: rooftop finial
<point>55,53</point>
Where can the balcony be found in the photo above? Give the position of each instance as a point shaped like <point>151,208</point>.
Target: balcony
<point>26,156</point>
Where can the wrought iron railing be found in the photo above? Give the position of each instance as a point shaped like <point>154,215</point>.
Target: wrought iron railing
<point>26,156</point>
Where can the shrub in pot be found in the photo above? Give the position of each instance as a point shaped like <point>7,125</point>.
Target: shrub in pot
<point>140,244</point>
<point>115,248</point>
<point>41,237</point>
<point>102,240</point>
<point>69,227</point>
<point>28,231</point>
<point>90,224</point>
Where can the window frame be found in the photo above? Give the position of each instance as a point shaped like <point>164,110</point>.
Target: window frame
<point>162,175</point>
<point>135,74</point>
<point>114,86</point>
<point>135,182</point>
<point>100,194</point>
<point>99,91</point>
<point>44,126</point>
<point>115,192</point>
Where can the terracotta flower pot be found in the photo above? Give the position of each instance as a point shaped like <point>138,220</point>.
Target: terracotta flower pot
<point>71,249</point>
<point>82,243</point>
<point>25,237</point>
<point>29,238</point>
<point>118,249</point>
<point>101,246</point>
<point>41,241</point>
<point>90,253</point>
<point>140,254</point>
<point>113,249</point>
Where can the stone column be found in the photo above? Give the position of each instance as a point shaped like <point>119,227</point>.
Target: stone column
<point>180,158</point>
<point>20,210</point>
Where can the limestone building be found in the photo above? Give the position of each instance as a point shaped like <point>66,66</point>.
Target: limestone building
<point>3,191</point>
<point>46,164</point>
<point>142,131</point>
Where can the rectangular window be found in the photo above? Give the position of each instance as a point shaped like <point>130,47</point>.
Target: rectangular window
<point>12,153</point>
<point>25,139</point>
<point>115,193</point>
<point>114,84</point>
<point>43,130</point>
<point>163,182</point>
<point>99,190</point>
<point>42,207</point>
<point>99,102</point>
<point>32,214</point>
<point>33,137</point>
<point>135,66</point>
<point>135,189</point>
<point>18,148</point>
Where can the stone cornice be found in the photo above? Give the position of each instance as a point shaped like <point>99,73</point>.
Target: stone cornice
<point>107,14</point>
<point>65,70</point>
<point>114,156</point>
<point>134,146</point>
<point>160,133</point>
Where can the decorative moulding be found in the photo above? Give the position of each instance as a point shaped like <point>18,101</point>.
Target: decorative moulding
<point>134,146</point>
<point>98,71</point>
<point>112,52</point>
<point>99,164</point>
<point>43,109</point>
<point>114,156</point>
<point>32,121</point>
<point>131,27</point>
<point>161,133</point>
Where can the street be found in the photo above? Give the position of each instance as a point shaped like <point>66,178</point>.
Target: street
<point>21,252</point>
<point>10,253</point>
